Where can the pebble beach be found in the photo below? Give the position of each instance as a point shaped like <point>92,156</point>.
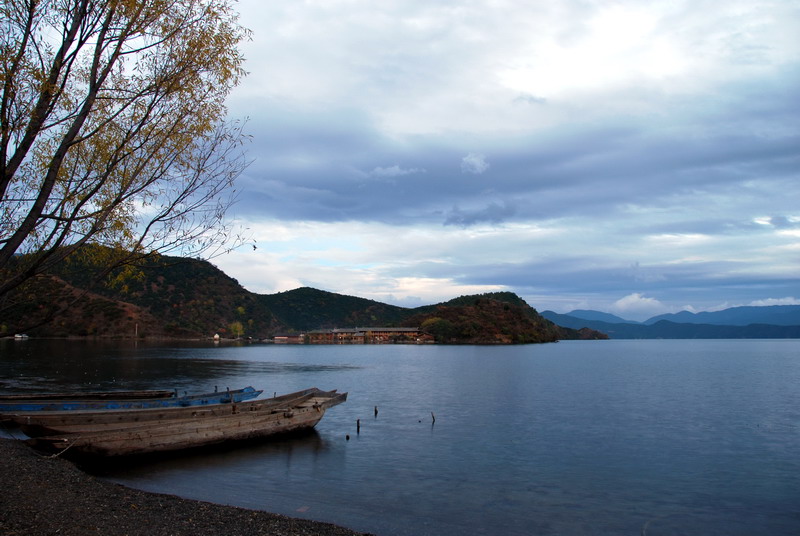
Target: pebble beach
<point>44,495</point>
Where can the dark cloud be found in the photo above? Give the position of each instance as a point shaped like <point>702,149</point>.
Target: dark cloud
<point>337,165</point>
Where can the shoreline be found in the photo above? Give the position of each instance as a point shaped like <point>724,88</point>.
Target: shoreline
<point>41,495</point>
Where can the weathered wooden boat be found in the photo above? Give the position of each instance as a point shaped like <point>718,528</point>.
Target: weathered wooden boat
<point>39,423</point>
<point>119,400</point>
<point>149,431</point>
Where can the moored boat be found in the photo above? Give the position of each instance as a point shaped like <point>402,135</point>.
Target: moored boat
<point>181,428</point>
<point>109,400</point>
<point>39,423</point>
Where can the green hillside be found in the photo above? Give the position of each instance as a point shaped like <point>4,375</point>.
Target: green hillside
<point>171,297</point>
<point>307,308</point>
<point>162,297</point>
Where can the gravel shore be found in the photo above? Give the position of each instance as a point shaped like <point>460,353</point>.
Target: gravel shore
<point>41,495</point>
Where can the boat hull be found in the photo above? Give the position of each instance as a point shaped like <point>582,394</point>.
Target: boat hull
<point>39,423</point>
<point>234,422</point>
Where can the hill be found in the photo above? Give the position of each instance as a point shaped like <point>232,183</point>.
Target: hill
<point>170,297</point>
<point>307,308</point>
<point>163,297</point>
<point>492,318</point>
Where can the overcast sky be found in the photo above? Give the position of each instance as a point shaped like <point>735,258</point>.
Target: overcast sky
<point>627,156</point>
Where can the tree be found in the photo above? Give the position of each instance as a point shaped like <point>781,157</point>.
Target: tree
<point>442,329</point>
<point>114,131</point>
<point>236,328</point>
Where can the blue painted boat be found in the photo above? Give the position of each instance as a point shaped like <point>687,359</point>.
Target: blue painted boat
<point>120,400</point>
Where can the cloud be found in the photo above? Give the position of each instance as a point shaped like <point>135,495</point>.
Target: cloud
<point>526,98</point>
<point>474,163</point>
<point>784,222</point>
<point>789,300</point>
<point>492,213</point>
<point>394,171</point>
<point>638,307</point>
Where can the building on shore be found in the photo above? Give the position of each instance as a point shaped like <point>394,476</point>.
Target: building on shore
<point>291,338</point>
<point>375,335</point>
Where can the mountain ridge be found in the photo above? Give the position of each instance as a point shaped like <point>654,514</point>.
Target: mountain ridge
<point>169,297</point>
<point>667,326</point>
<point>778,315</point>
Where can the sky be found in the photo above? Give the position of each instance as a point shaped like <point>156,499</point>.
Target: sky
<point>632,157</point>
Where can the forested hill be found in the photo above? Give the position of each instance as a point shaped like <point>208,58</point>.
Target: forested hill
<point>306,308</point>
<point>165,297</point>
<point>187,298</point>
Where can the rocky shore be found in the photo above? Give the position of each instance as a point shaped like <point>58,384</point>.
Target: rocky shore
<point>42,495</point>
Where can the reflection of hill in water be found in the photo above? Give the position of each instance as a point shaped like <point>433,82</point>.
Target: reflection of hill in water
<point>42,365</point>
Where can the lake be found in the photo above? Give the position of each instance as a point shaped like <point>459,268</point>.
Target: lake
<point>579,437</point>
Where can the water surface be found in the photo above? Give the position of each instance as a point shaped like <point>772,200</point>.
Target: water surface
<point>590,437</point>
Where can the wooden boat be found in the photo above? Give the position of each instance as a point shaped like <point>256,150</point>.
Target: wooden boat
<point>172,429</point>
<point>39,423</point>
<point>119,400</point>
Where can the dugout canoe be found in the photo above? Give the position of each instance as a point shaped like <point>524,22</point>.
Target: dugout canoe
<point>201,428</point>
<point>111,400</point>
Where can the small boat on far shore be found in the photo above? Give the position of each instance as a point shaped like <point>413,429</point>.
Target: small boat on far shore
<point>118,400</point>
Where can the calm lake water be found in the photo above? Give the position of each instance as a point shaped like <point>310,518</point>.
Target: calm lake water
<point>590,437</point>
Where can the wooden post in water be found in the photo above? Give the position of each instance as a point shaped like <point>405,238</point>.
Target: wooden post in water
<point>358,426</point>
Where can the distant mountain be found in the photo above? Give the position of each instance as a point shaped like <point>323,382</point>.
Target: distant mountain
<point>569,321</point>
<point>665,329</point>
<point>778,315</point>
<point>587,314</point>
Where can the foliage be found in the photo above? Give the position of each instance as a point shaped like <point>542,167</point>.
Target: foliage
<point>306,308</point>
<point>236,329</point>
<point>171,296</point>
<point>113,130</point>
<point>441,329</point>
<point>485,320</point>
